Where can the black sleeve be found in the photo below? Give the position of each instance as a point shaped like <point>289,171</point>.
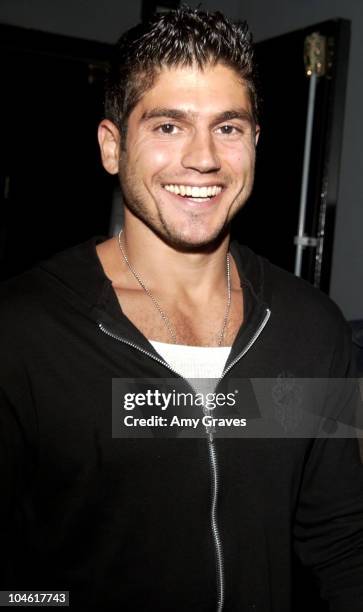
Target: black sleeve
<point>328,527</point>
<point>18,434</point>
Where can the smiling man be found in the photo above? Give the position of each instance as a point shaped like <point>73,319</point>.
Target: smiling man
<point>210,522</point>
<point>186,167</point>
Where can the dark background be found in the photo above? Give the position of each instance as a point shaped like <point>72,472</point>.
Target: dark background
<point>55,192</point>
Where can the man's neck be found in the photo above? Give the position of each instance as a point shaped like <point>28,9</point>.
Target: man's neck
<point>188,275</point>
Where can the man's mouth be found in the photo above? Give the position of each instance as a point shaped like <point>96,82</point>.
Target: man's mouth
<point>194,193</point>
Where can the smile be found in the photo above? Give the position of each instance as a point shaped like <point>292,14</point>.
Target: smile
<point>198,194</point>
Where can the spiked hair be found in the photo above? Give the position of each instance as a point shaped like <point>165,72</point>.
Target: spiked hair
<point>184,37</point>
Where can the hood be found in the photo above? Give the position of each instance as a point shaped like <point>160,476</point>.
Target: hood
<point>78,275</point>
<point>79,270</point>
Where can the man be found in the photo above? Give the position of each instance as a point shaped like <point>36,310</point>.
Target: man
<point>200,523</point>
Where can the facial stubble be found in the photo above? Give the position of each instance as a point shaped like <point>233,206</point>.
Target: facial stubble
<point>134,200</point>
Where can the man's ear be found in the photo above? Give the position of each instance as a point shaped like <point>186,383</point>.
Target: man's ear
<point>109,141</point>
<point>257,134</point>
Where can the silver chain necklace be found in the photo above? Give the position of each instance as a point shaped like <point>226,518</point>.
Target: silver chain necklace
<point>163,315</point>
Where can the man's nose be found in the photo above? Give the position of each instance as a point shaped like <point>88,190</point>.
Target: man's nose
<point>200,153</point>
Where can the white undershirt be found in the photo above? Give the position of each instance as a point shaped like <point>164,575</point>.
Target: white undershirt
<point>194,361</point>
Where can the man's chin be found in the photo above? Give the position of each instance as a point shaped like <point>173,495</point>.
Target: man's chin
<point>191,239</point>
<point>190,243</point>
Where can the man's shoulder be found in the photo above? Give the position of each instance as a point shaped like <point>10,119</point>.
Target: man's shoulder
<point>20,303</point>
<point>66,274</point>
<point>18,291</point>
<point>301,294</point>
<point>292,300</point>
<point>314,309</point>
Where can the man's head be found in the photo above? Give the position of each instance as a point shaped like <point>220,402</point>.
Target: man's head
<point>180,38</point>
<point>185,89</point>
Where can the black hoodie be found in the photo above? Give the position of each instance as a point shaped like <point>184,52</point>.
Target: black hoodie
<point>167,524</point>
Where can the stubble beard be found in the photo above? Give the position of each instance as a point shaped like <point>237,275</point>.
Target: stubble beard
<point>134,200</point>
<point>167,232</point>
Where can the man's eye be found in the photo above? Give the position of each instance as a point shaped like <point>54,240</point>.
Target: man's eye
<point>167,128</point>
<point>228,129</point>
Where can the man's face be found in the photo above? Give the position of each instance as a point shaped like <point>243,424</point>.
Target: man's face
<point>188,162</point>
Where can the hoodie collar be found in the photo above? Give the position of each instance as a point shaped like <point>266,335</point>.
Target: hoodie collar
<point>80,272</point>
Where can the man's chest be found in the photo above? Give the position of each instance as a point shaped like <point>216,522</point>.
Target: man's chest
<point>169,321</point>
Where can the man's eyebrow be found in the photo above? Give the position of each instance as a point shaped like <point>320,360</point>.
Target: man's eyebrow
<point>179,115</point>
<point>172,113</point>
<point>242,114</point>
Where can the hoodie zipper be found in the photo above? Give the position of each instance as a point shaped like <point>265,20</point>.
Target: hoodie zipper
<point>215,474</point>
<point>212,451</point>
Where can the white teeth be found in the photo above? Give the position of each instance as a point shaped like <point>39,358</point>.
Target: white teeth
<point>193,191</point>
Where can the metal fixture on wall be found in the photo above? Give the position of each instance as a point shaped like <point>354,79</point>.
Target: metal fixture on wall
<point>315,51</point>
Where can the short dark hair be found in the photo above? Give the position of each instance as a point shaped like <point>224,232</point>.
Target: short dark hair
<point>182,37</point>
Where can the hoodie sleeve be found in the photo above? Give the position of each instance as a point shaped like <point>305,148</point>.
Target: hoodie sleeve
<point>328,527</point>
<point>17,441</point>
